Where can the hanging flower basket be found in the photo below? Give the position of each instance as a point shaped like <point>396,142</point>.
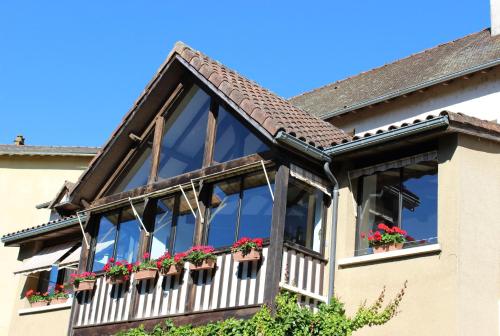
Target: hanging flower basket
<point>200,258</point>
<point>83,282</point>
<point>145,269</point>
<point>246,249</point>
<point>171,266</point>
<point>146,274</point>
<point>204,265</point>
<point>117,272</point>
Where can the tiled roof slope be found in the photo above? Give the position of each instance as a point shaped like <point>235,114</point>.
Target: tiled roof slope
<point>47,150</point>
<point>50,225</point>
<point>266,108</point>
<point>405,75</point>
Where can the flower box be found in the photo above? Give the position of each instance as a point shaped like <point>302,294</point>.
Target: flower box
<point>172,270</point>
<point>387,247</point>
<point>204,265</point>
<point>84,285</point>
<point>60,300</point>
<point>116,280</point>
<point>253,255</point>
<point>39,303</point>
<point>146,274</point>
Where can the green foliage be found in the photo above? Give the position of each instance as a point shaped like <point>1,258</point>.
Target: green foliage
<point>289,320</point>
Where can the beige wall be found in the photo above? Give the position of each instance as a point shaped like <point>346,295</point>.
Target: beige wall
<point>26,181</point>
<point>478,96</point>
<point>455,292</point>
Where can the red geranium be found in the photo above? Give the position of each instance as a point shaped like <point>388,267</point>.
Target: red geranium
<point>387,235</point>
<point>245,245</point>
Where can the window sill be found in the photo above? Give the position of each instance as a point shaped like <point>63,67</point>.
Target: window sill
<point>413,251</point>
<point>35,310</point>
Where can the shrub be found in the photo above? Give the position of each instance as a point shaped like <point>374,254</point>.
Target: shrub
<point>289,320</point>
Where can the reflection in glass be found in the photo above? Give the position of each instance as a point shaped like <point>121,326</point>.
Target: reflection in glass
<point>127,245</point>
<point>137,173</point>
<point>163,226</point>
<point>183,140</point>
<point>419,216</point>
<point>304,213</point>
<point>224,213</point>
<point>233,139</point>
<point>185,223</point>
<point>256,206</point>
<point>105,240</point>
<point>379,204</point>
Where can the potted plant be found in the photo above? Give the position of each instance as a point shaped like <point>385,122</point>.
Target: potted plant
<point>59,296</point>
<point>145,269</point>
<point>387,238</point>
<point>247,249</point>
<point>83,282</point>
<point>200,258</point>
<point>117,272</point>
<point>169,265</point>
<point>37,299</point>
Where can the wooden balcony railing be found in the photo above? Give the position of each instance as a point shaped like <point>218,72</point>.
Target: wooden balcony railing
<point>230,285</point>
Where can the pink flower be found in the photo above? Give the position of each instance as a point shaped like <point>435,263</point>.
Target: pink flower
<point>146,255</point>
<point>111,260</point>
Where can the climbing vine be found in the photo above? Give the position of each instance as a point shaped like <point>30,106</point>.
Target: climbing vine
<point>289,320</point>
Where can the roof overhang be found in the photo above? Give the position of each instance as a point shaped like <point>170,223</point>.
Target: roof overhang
<point>45,231</point>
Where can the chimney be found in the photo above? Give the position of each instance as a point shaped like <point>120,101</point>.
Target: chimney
<point>495,17</point>
<point>19,140</point>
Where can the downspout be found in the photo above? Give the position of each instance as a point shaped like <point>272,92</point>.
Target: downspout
<point>333,234</point>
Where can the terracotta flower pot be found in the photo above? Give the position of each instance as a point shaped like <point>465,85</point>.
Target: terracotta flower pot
<point>387,247</point>
<point>172,270</point>
<point>39,303</point>
<point>116,280</point>
<point>253,255</point>
<point>85,285</point>
<point>206,264</point>
<point>146,274</point>
<point>60,300</point>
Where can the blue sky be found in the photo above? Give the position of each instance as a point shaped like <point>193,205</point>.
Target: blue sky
<point>70,70</point>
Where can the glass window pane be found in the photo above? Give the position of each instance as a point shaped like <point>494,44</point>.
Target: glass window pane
<point>304,215</point>
<point>137,173</point>
<point>163,226</point>
<point>379,204</point>
<point>127,245</point>
<point>233,140</point>
<point>256,207</point>
<point>419,216</point>
<point>224,213</point>
<point>185,223</point>
<point>183,140</point>
<point>105,240</point>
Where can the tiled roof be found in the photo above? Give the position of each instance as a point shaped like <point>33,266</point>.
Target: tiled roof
<point>455,119</point>
<point>435,65</point>
<point>266,108</point>
<point>46,227</point>
<point>47,150</point>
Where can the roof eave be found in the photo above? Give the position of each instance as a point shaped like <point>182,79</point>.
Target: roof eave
<point>376,139</point>
<point>410,89</point>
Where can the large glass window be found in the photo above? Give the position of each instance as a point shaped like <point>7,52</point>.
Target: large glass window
<point>137,173</point>
<point>233,140</point>
<point>174,224</point>
<point>118,235</point>
<point>183,140</point>
<point>240,207</point>
<point>403,197</point>
<point>304,215</point>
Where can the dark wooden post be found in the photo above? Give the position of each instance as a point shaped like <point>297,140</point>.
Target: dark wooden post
<point>275,253</point>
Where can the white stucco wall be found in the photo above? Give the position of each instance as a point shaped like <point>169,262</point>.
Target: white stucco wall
<point>478,96</point>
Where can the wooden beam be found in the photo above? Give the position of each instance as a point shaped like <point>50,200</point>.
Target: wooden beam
<point>160,122</point>
<point>211,130</point>
<point>277,233</point>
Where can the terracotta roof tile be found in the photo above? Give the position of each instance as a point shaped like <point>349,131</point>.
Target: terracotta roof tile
<point>269,110</point>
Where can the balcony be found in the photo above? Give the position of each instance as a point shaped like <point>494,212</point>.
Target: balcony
<point>231,289</point>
